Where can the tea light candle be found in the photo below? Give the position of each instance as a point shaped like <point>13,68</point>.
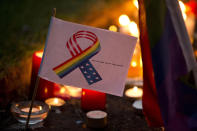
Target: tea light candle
<point>96,119</point>
<point>55,102</point>
<point>134,92</point>
<point>34,109</point>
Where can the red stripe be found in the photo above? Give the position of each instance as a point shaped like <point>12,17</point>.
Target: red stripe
<point>86,38</point>
<point>87,32</point>
<point>70,41</point>
<point>79,48</point>
<point>68,47</point>
<point>86,35</point>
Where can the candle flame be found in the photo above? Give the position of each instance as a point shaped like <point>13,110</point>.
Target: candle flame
<point>135,2</point>
<point>133,63</point>
<point>39,54</point>
<point>135,88</point>
<point>40,107</point>
<point>56,100</point>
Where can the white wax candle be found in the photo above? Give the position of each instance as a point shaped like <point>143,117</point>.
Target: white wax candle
<point>96,119</point>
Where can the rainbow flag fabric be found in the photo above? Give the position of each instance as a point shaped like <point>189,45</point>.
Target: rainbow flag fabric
<point>171,66</point>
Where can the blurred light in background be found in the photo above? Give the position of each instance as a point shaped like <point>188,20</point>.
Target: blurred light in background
<point>133,29</point>
<point>124,20</point>
<point>183,9</point>
<point>113,28</point>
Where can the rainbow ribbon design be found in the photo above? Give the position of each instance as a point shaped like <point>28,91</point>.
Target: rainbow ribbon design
<point>80,58</point>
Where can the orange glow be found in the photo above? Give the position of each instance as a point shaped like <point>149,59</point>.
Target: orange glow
<point>195,53</point>
<point>62,90</point>
<point>83,93</point>
<point>74,91</point>
<point>39,54</point>
<point>135,69</point>
<point>140,62</point>
<point>26,109</point>
<point>45,90</point>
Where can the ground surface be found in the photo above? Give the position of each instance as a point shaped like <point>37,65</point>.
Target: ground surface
<point>121,117</point>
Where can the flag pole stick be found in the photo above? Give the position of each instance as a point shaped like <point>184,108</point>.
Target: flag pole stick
<point>32,101</point>
<point>54,12</point>
<point>36,88</point>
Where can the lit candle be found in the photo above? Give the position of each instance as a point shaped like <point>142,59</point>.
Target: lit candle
<point>74,92</point>
<point>135,69</point>
<point>45,88</point>
<point>21,109</point>
<point>92,100</point>
<point>134,92</point>
<point>55,102</point>
<point>34,109</point>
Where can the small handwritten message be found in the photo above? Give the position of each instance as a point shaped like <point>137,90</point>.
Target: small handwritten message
<point>107,63</point>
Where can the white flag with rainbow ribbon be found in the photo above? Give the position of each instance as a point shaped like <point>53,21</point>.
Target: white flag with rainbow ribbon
<point>87,57</point>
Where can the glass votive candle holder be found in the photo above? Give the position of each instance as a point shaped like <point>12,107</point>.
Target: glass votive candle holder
<point>20,111</point>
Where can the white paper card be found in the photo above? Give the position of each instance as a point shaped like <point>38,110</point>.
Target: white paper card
<point>87,57</point>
